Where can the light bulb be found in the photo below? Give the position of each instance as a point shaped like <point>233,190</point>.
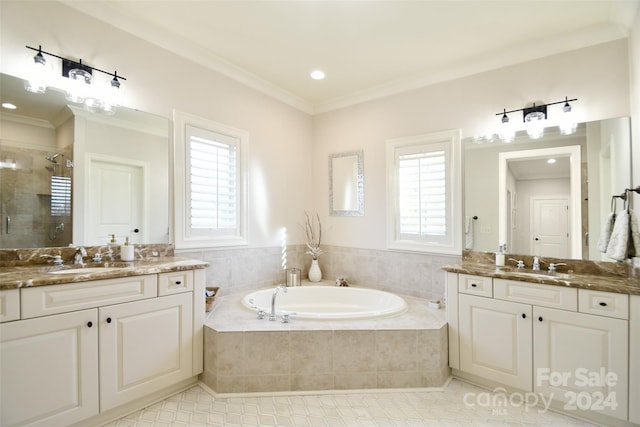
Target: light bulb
<point>78,85</point>
<point>535,124</point>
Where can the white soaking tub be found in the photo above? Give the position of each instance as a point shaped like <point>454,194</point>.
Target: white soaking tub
<point>328,302</point>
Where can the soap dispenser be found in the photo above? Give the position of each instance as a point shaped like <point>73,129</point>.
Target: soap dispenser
<point>126,251</point>
<point>500,255</point>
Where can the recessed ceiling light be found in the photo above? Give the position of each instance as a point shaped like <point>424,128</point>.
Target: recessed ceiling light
<point>8,106</point>
<point>551,161</point>
<point>317,75</point>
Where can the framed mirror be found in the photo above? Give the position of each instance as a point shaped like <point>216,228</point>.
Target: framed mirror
<point>346,184</point>
<point>546,197</point>
<point>70,177</point>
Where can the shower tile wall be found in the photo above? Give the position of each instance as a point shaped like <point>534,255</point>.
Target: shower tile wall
<point>241,270</point>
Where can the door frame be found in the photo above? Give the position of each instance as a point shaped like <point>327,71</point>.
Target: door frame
<point>575,207</point>
<point>90,158</point>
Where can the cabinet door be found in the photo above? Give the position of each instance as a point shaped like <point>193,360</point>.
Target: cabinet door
<point>496,340</point>
<point>49,369</point>
<point>581,360</point>
<point>144,346</point>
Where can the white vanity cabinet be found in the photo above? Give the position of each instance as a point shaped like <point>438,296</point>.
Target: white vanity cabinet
<point>49,369</point>
<point>634,358</point>
<point>566,343</point>
<point>84,349</point>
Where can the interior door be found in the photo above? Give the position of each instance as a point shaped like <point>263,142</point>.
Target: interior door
<point>549,227</point>
<point>115,202</point>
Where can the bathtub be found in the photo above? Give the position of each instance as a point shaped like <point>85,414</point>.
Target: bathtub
<point>328,302</point>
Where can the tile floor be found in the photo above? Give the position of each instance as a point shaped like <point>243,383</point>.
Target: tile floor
<point>196,407</point>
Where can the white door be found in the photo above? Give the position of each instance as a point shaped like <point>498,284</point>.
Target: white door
<point>575,356</point>
<point>495,340</point>
<point>144,346</point>
<point>115,202</point>
<point>49,370</point>
<point>549,227</point>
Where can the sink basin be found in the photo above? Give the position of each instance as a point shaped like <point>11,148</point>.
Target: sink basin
<point>86,270</point>
<point>542,275</point>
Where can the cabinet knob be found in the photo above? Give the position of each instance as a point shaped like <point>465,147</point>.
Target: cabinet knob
<point>108,319</point>
<point>603,304</point>
<point>540,318</point>
<point>90,324</point>
<point>178,282</point>
<point>524,316</point>
<point>474,285</point>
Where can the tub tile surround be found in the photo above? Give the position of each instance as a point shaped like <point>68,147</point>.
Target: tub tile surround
<point>244,354</point>
<point>247,269</point>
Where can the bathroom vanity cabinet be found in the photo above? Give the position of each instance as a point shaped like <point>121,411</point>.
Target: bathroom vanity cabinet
<point>86,350</point>
<point>565,343</point>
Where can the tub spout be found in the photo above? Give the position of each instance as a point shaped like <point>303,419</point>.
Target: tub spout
<point>273,316</point>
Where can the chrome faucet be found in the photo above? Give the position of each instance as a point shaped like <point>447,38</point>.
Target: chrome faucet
<point>78,258</point>
<point>552,267</point>
<point>536,264</point>
<point>273,316</point>
<point>519,263</point>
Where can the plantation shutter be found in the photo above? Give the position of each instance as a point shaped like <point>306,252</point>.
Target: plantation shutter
<point>212,183</point>
<point>60,196</point>
<point>422,198</point>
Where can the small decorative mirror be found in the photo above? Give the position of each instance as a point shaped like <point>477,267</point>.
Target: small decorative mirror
<point>346,184</point>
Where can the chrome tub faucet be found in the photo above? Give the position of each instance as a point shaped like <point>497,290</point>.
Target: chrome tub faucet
<point>273,316</point>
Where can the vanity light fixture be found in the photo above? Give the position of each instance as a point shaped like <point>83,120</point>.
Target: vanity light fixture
<point>80,86</point>
<point>535,119</point>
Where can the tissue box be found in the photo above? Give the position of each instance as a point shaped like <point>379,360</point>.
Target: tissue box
<point>210,300</point>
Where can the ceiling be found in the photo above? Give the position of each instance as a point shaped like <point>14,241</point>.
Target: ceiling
<point>367,49</point>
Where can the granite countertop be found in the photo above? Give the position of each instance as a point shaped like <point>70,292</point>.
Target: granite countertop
<point>606,283</point>
<point>43,275</point>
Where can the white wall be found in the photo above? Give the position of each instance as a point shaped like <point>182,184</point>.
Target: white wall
<point>634,63</point>
<point>159,81</point>
<point>597,76</point>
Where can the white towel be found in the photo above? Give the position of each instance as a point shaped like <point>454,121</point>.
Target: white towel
<point>468,233</point>
<point>625,238</point>
<point>634,251</point>
<point>605,236</point>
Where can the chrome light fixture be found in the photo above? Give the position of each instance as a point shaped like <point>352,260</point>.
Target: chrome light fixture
<point>80,87</point>
<point>535,119</point>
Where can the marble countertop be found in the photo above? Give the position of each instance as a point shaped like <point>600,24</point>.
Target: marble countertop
<point>606,283</point>
<point>43,275</point>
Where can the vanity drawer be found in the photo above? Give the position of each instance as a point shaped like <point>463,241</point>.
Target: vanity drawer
<point>175,282</point>
<point>46,300</point>
<point>603,303</point>
<point>532,293</point>
<point>9,305</point>
<point>475,285</point>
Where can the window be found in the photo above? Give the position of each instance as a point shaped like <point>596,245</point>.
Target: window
<point>424,189</point>
<point>60,196</point>
<point>213,186</point>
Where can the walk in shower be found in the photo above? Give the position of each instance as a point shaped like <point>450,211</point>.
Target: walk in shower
<point>35,197</point>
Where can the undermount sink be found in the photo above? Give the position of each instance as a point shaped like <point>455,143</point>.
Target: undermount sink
<point>85,270</point>
<point>542,275</point>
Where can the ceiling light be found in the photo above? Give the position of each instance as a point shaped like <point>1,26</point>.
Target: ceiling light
<point>551,161</point>
<point>8,106</point>
<point>317,75</point>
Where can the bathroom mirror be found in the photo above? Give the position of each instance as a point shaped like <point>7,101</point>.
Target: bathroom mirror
<point>346,184</point>
<point>68,176</point>
<point>539,206</point>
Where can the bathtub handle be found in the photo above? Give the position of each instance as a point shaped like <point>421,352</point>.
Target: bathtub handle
<point>261,314</point>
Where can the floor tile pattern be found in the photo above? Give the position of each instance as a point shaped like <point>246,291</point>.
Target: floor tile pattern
<point>196,407</point>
